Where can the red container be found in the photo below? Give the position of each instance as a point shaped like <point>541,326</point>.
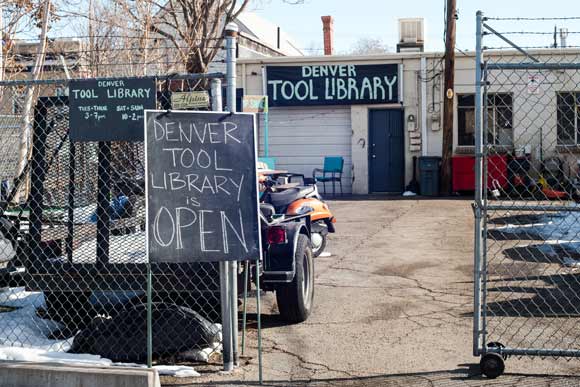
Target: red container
<point>464,172</point>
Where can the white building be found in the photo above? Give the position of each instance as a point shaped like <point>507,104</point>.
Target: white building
<point>380,111</point>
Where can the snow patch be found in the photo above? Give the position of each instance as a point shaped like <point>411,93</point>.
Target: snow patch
<point>177,371</point>
<point>562,227</point>
<point>43,356</point>
<point>22,327</point>
<point>203,355</point>
<point>128,248</point>
<point>23,337</point>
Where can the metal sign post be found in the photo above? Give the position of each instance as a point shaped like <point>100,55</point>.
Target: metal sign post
<point>232,267</point>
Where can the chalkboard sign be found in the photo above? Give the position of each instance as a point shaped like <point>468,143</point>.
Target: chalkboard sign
<point>202,196</point>
<point>109,109</point>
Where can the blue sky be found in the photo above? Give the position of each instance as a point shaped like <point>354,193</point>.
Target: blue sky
<point>378,19</point>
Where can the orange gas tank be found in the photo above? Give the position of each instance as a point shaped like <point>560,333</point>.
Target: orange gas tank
<point>317,209</point>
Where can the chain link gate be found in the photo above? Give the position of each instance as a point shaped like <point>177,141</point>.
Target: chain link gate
<point>527,224</point>
<point>72,240</point>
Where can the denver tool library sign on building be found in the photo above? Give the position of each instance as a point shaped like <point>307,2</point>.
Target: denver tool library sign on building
<point>346,84</point>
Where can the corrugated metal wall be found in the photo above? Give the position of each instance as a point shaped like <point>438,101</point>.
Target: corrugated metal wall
<point>300,138</point>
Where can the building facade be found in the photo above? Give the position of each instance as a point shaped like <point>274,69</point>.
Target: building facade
<point>378,112</point>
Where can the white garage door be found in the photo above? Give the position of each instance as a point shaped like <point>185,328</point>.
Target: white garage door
<point>301,137</point>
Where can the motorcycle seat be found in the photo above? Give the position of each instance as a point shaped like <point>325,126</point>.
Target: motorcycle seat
<point>282,199</point>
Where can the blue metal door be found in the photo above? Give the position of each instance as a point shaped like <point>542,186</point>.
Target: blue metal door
<point>386,151</point>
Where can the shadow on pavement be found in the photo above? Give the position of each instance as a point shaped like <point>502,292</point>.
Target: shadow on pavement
<point>545,253</point>
<point>268,321</point>
<point>466,375</point>
<point>520,235</point>
<point>395,196</point>
<point>555,295</point>
<point>523,219</point>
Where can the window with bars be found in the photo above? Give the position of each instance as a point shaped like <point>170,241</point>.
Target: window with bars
<point>499,119</point>
<point>568,118</point>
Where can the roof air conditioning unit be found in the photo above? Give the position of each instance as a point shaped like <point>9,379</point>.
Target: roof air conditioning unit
<point>411,34</point>
<point>411,30</point>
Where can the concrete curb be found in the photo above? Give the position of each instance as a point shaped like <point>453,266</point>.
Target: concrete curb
<point>24,374</point>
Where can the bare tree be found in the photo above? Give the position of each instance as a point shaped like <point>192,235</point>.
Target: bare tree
<point>193,28</point>
<point>369,46</point>
<point>25,140</point>
<point>16,17</point>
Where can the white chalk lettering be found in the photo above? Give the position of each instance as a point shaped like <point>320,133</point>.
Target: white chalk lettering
<point>203,155</point>
<point>157,231</point>
<point>180,224</point>
<point>212,134</point>
<point>226,223</point>
<point>203,232</point>
<point>228,131</point>
<point>238,185</point>
<point>215,162</point>
<point>175,182</point>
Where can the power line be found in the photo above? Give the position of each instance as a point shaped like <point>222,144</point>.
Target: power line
<point>104,50</point>
<point>158,37</point>
<point>110,64</point>
<point>527,47</point>
<point>535,33</point>
<point>533,18</point>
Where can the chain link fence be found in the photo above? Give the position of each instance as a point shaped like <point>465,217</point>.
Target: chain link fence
<point>72,241</point>
<point>527,289</point>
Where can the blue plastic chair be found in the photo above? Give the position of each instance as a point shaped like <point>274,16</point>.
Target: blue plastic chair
<point>331,172</point>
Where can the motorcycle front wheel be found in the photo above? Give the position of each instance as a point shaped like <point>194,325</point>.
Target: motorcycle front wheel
<point>318,239</point>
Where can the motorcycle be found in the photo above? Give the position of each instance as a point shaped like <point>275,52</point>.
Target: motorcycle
<point>303,200</point>
<point>288,268</point>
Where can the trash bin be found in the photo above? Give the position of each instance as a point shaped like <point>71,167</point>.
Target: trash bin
<point>429,175</point>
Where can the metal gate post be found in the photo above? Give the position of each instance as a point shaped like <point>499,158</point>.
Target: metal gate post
<point>231,44</point>
<point>231,31</point>
<point>216,95</point>
<point>478,189</point>
<point>228,358</point>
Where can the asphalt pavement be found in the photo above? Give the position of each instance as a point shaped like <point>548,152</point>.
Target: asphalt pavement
<point>393,307</point>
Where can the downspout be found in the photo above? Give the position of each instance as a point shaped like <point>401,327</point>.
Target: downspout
<point>423,80</point>
<point>244,77</point>
<point>266,149</point>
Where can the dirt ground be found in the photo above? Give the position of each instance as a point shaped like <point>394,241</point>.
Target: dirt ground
<point>393,308</point>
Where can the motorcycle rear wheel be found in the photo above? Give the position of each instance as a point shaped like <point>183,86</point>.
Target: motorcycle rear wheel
<point>295,299</point>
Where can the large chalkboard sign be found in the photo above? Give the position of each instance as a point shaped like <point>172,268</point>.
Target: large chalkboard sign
<point>109,109</point>
<point>332,84</point>
<point>202,196</point>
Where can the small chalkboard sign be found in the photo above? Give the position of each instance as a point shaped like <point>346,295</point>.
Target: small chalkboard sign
<point>109,109</point>
<point>202,192</point>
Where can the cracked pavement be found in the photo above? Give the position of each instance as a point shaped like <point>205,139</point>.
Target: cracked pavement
<point>392,308</point>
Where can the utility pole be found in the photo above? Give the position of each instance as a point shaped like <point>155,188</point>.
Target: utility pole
<point>447,152</point>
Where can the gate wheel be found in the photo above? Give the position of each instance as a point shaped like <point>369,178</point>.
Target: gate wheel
<point>492,365</point>
<point>498,345</point>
